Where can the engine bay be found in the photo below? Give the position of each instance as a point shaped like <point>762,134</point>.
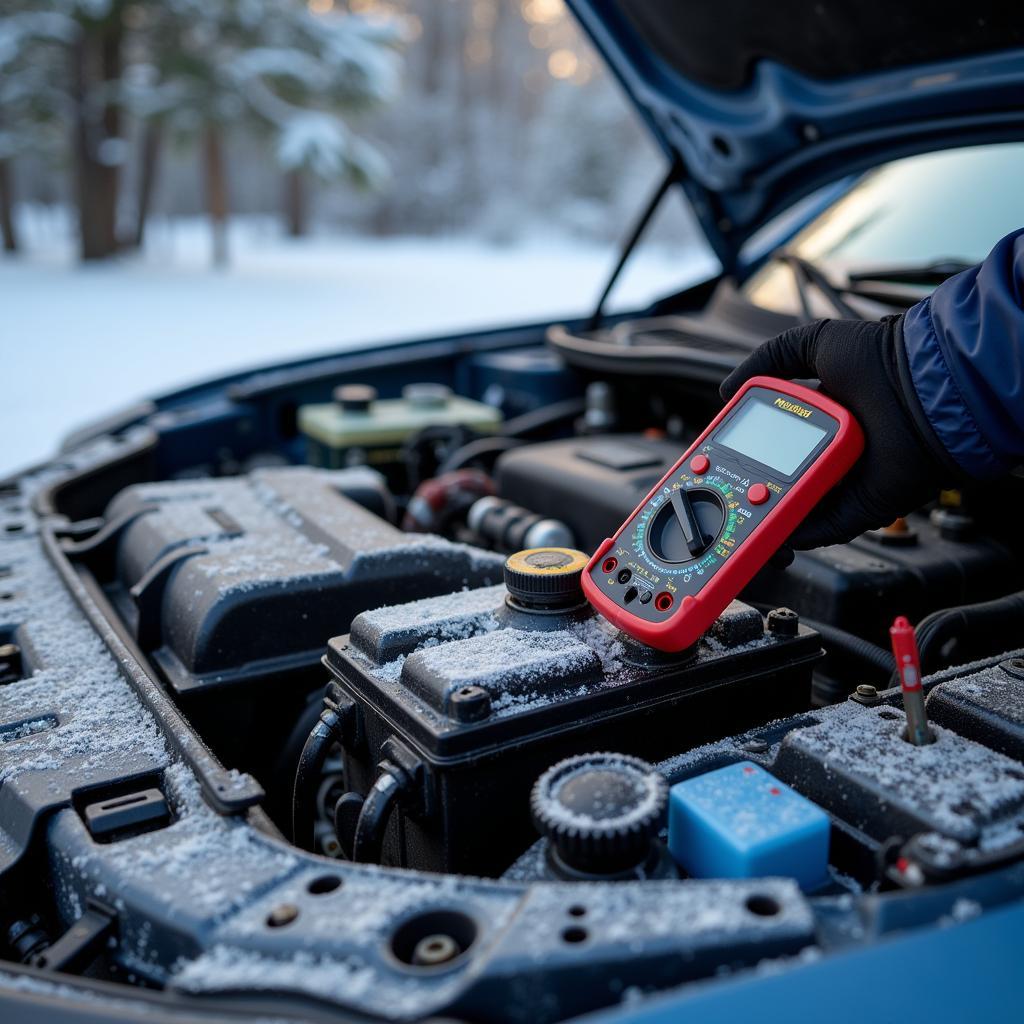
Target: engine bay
<point>299,695</point>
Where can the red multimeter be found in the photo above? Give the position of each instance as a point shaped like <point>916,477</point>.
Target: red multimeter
<point>721,512</point>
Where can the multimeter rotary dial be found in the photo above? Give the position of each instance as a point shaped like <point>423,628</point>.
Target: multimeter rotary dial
<point>721,511</point>
<point>686,525</point>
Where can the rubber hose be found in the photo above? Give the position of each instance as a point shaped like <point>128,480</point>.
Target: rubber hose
<point>991,625</point>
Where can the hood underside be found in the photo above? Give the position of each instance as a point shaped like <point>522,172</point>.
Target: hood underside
<point>760,104</point>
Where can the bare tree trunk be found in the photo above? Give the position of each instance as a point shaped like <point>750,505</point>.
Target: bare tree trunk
<point>296,203</point>
<point>433,47</point>
<point>10,236</point>
<point>97,62</point>
<point>216,193</point>
<point>149,159</point>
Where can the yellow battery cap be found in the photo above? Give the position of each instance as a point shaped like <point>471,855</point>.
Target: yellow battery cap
<point>545,577</point>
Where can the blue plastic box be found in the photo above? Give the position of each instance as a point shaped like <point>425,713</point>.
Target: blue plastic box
<point>741,822</point>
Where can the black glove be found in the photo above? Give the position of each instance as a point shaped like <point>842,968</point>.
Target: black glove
<point>861,364</point>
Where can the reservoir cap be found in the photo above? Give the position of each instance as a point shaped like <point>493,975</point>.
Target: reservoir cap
<point>355,397</point>
<point>426,395</point>
<point>600,811</point>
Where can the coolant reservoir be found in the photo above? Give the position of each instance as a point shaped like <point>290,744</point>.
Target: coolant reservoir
<point>358,428</point>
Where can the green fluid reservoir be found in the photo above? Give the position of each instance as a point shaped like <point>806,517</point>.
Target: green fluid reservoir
<point>358,428</point>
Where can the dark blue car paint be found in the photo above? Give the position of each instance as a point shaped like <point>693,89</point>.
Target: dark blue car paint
<point>750,154</point>
<point>963,972</point>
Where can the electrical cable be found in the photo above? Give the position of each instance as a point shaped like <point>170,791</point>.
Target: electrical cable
<point>844,642</point>
<point>478,449</point>
<point>337,712</point>
<point>853,646</point>
<point>531,422</point>
<point>375,812</point>
<point>513,433</point>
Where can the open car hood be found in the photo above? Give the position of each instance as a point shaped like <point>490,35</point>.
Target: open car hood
<point>759,104</point>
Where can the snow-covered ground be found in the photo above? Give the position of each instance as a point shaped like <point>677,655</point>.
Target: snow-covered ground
<point>78,342</point>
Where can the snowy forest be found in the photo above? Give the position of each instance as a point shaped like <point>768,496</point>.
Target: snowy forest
<point>486,118</point>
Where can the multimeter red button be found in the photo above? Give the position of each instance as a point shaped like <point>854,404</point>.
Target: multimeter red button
<point>758,494</point>
<point>700,464</point>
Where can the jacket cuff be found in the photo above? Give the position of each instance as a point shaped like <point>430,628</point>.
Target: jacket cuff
<point>951,422</point>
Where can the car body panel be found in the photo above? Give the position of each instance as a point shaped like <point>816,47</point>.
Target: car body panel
<point>749,152</point>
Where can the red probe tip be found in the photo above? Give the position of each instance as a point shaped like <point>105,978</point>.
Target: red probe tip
<point>908,665</point>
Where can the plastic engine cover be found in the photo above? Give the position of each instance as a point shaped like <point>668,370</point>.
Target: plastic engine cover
<point>225,580</point>
<point>478,696</point>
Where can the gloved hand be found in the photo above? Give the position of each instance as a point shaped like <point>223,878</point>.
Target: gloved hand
<point>858,364</point>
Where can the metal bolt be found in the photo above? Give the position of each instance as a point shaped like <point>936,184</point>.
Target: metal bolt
<point>755,746</point>
<point>433,950</point>
<point>1013,667</point>
<point>282,914</point>
<point>866,694</point>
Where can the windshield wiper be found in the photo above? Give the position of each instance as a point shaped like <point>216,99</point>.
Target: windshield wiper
<point>870,283</point>
<point>932,273</point>
<point>807,274</point>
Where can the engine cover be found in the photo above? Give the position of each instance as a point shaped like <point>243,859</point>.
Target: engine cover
<point>589,483</point>
<point>237,579</point>
<point>476,696</point>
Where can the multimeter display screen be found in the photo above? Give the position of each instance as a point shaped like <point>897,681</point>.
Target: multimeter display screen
<point>774,438</point>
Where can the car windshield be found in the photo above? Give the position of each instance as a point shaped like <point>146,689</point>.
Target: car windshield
<point>940,208</point>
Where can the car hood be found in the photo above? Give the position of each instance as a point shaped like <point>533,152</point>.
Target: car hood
<point>758,104</point>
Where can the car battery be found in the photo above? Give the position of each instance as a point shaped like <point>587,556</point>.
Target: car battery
<point>360,429</point>
<point>856,763</point>
<point>477,693</point>
<point>986,706</point>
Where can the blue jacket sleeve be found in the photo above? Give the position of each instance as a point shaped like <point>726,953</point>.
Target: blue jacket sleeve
<point>965,353</point>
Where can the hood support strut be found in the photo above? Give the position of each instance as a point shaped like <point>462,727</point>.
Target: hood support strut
<point>672,177</point>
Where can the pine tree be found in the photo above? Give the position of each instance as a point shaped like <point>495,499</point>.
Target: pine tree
<point>269,67</point>
<point>32,100</point>
<point>194,70</point>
